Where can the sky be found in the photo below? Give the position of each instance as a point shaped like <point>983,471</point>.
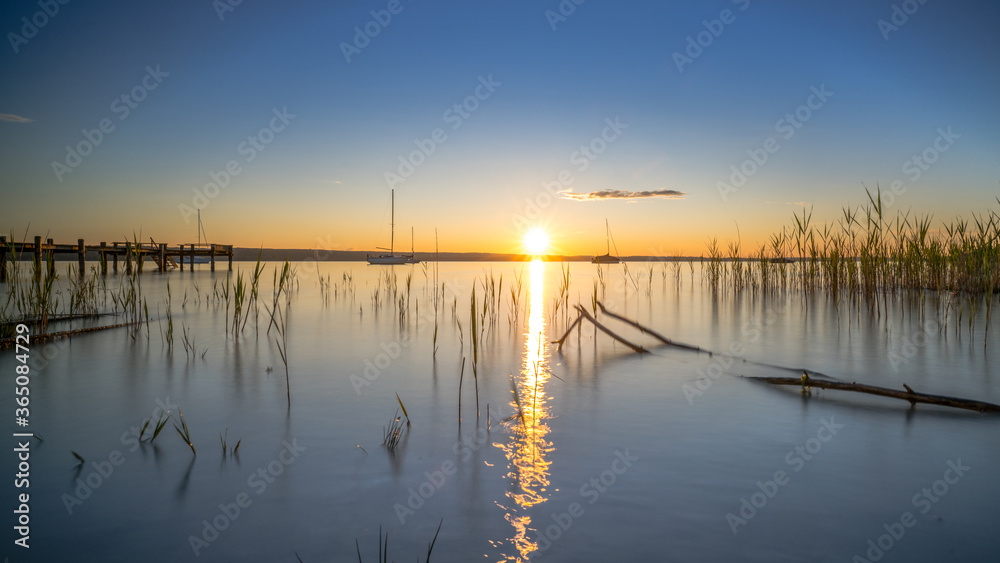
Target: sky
<point>288,124</point>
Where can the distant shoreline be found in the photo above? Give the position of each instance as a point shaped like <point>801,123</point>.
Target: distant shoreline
<point>307,255</point>
<point>241,254</point>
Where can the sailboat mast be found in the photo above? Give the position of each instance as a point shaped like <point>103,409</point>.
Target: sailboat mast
<point>607,229</point>
<point>392,222</point>
<point>199,227</point>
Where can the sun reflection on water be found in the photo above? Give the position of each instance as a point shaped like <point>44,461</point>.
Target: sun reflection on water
<point>526,451</point>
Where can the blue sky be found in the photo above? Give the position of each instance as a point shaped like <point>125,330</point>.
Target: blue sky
<point>321,180</point>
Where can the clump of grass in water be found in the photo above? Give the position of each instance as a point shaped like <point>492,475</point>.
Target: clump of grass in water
<point>383,546</point>
<point>189,343</point>
<point>222,438</point>
<point>31,297</point>
<point>515,298</point>
<point>869,257</point>
<point>83,292</point>
<point>160,423</point>
<point>561,300</point>
<point>392,434</point>
<point>186,433</point>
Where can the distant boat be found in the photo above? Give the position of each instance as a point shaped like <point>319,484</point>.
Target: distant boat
<point>392,257</point>
<point>200,259</point>
<point>607,258</point>
<point>413,259</point>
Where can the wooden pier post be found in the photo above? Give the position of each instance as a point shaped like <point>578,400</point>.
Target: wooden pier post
<point>212,259</point>
<point>104,259</point>
<point>115,258</point>
<point>230,258</point>
<point>37,257</point>
<point>180,256</point>
<point>128,258</point>
<point>81,257</point>
<point>163,257</point>
<point>192,257</point>
<point>3,258</point>
<point>50,257</point>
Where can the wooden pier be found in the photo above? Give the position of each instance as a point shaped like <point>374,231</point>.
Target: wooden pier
<point>165,256</point>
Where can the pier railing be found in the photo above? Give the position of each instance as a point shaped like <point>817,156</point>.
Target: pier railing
<point>165,256</point>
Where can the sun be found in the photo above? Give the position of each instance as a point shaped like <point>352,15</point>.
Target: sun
<point>536,241</point>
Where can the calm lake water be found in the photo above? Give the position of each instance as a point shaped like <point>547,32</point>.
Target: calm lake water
<point>667,456</point>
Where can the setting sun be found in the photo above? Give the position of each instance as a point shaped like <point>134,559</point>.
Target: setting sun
<point>536,241</point>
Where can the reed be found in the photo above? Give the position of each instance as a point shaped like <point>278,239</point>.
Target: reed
<point>434,341</point>
<point>185,434</point>
<point>516,289</point>
<point>30,299</point>
<point>392,434</point>
<point>867,256</point>
<point>187,341</point>
<point>170,322</point>
<point>461,375</point>
<point>225,450</point>
<point>84,295</point>
<point>383,546</point>
<point>160,423</point>
<point>561,300</point>
<point>404,409</point>
<point>517,401</point>
<point>475,348</point>
<point>281,341</point>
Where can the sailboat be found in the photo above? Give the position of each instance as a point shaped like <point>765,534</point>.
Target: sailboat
<point>392,257</point>
<point>412,259</point>
<point>201,229</point>
<point>607,258</point>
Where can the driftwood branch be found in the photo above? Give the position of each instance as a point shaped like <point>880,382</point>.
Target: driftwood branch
<point>606,330</point>
<point>53,319</point>
<point>569,330</point>
<point>909,395</point>
<point>6,342</point>
<point>648,331</point>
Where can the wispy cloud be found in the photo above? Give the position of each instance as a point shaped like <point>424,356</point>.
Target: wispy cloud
<point>623,194</point>
<point>14,118</point>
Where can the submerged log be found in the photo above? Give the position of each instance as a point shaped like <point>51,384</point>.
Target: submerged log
<point>606,330</point>
<point>569,330</point>
<point>908,395</point>
<point>6,342</point>
<point>53,319</point>
<point>648,331</point>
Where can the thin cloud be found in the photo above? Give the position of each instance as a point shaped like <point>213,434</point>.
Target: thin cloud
<point>14,118</point>
<point>624,194</point>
